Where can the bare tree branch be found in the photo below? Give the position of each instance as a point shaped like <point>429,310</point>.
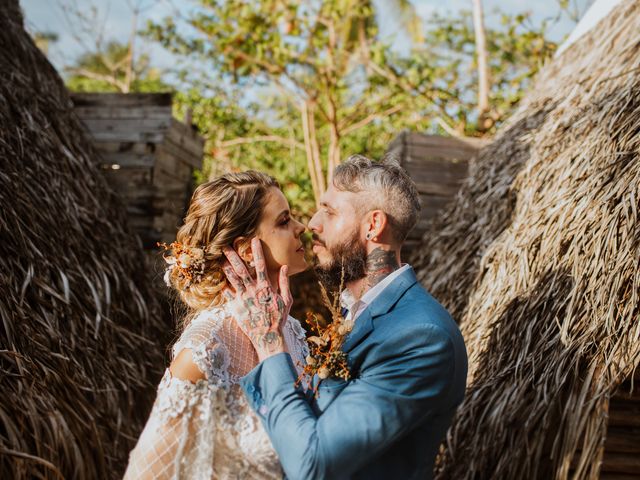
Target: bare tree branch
<point>289,142</point>
<point>367,120</point>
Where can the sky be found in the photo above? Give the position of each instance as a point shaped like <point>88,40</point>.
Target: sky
<point>115,21</point>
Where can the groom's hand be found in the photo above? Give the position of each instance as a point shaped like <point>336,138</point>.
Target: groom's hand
<point>264,308</point>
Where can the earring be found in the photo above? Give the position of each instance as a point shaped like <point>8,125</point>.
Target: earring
<point>368,237</point>
<point>251,264</point>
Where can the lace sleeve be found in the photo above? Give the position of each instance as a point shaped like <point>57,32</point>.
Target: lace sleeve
<point>295,338</point>
<point>178,439</point>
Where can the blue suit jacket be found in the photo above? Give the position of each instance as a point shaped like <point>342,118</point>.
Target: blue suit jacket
<point>409,367</point>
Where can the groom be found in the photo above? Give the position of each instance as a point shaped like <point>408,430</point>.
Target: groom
<point>406,356</point>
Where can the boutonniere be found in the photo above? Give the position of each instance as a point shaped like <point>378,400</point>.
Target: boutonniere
<point>326,358</point>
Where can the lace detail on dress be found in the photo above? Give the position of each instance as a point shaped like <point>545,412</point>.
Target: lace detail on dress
<point>295,338</point>
<point>207,429</point>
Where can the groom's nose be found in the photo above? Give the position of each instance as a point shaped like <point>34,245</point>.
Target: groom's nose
<point>314,225</point>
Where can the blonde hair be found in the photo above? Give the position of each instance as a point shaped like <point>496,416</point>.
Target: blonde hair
<point>220,211</point>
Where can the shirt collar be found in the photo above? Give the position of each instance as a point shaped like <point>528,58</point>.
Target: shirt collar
<point>348,300</point>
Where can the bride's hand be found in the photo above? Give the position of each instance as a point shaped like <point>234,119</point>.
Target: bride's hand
<point>264,308</point>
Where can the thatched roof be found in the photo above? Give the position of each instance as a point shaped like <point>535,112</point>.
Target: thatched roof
<point>81,333</point>
<point>539,261</point>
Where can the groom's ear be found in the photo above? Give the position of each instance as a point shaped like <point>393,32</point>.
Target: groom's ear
<point>377,225</point>
<point>242,245</point>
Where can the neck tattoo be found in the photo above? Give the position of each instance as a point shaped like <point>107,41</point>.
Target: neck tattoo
<point>380,263</point>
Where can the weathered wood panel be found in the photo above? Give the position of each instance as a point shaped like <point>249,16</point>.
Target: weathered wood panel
<point>438,166</point>
<point>622,444</point>
<point>185,137</point>
<point>153,111</point>
<point>148,157</point>
<point>110,100</point>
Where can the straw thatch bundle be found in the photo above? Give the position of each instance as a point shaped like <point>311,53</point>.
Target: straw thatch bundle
<point>81,333</point>
<point>539,261</point>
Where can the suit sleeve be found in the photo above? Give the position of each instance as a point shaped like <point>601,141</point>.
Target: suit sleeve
<point>383,403</point>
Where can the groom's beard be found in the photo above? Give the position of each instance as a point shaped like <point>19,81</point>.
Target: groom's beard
<point>352,255</point>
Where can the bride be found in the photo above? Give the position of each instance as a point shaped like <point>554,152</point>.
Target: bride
<point>201,425</point>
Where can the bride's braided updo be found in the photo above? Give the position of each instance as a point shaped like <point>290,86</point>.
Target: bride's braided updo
<point>220,211</point>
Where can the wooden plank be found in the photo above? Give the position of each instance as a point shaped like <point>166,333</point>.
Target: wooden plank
<point>129,112</point>
<point>169,147</point>
<point>126,147</point>
<point>176,169</point>
<point>128,160</point>
<point>624,416</point>
<point>130,177</point>
<point>163,180</point>
<point>447,190</point>
<point>126,137</point>
<point>440,172</point>
<point>618,476</point>
<point>621,463</point>
<point>622,440</point>
<point>185,137</point>
<point>126,125</point>
<point>121,99</point>
<point>469,145</point>
<point>417,153</point>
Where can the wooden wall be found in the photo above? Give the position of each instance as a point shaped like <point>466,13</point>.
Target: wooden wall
<point>148,157</point>
<point>621,460</point>
<point>437,165</point>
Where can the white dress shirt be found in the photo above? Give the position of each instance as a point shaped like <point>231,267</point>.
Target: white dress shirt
<point>355,306</point>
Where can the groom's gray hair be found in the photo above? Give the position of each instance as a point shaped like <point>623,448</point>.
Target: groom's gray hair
<point>385,186</point>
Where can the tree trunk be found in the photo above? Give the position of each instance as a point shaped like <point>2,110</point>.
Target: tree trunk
<point>483,66</point>
<point>312,151</point>
<point>129,73</point>
<point>334,150</point>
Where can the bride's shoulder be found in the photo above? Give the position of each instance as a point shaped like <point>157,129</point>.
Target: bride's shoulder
<point>201,350</point>
<point>201,329</point>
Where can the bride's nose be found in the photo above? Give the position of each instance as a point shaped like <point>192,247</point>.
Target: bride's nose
<point>299,228</point>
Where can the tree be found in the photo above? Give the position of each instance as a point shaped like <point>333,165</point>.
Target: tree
<point>110,71</point>
<point>483,67</point>
<point>44,39</point>
<point>107,65</point>
<point>323,58</point>
<point>321,81</point>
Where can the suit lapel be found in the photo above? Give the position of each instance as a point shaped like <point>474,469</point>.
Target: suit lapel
<point>380,305</point>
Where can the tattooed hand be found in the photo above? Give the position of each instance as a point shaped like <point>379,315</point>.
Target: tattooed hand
<point>265,309</point>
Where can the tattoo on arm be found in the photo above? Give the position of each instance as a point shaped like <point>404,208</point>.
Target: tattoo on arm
<point>380,263</point>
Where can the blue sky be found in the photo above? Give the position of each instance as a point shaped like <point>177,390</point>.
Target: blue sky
<point>115,21</point>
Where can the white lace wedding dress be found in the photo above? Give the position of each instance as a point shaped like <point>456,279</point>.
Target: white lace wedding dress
<point>206,429</point>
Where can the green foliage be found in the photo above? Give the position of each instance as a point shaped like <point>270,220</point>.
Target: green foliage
<point>251,69</point>
<point>106,71</point>
<point>516,51</point>
<point>221,119</point>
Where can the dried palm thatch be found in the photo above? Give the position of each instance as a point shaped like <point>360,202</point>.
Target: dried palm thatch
<point>81,332</point>
<point>539,260</point>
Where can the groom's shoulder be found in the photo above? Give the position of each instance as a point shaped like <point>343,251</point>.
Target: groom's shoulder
<point>417,311</point>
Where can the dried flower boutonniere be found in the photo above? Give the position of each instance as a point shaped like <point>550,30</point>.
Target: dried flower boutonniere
<point>326,358</point>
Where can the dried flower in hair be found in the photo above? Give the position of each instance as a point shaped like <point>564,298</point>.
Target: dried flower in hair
<point>187,261</point>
